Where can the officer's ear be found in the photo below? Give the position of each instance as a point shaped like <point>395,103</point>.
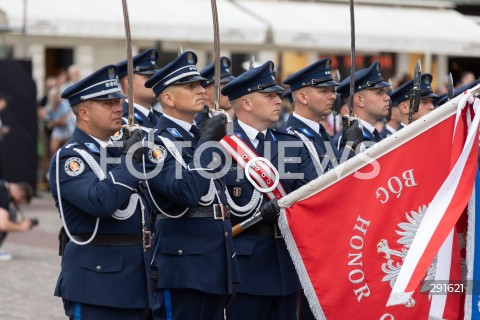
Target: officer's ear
<point>404,107</point>
<point>83,110</point>
<point>167,98</point>
<point>246,103</point>
<point>301,96</point>
<point>359,100</point>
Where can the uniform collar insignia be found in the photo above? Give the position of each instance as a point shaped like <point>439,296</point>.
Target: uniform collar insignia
<point>174,132</point>
<point>274,139</point>
<point>306,132</point>
<point>92,147</point>
<point>290,130</point>
<point>238,134</point>
<point>137,116</point>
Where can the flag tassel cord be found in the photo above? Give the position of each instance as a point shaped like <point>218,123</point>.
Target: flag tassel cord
<point>307,286</point>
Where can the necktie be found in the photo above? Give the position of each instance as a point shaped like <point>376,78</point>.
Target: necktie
<point>196,134</point>
<point>152,118</point>
<point>261,139</point>
<point>323,133</point>
<point>376,135</point>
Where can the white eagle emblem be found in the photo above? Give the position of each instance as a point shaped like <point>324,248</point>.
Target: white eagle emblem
<point>395,258</point>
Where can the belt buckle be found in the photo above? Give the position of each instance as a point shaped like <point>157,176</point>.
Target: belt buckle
<point>218,212</point>
<point>278,234</point>
<point>147,239</point>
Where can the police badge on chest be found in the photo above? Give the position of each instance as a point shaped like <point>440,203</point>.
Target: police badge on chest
<point>237,192</point>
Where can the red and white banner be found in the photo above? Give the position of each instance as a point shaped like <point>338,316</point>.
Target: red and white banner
<point>350,230</point>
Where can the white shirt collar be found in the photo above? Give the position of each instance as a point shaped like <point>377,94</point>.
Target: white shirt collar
<point>102,144</point>
<point>390,128</point>
<point>184,124</point>
<point>315,126</point>
<point>140,108</point>
<point>251,132</point>
<point>367,125</point>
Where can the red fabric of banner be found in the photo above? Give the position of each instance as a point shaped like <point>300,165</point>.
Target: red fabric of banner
<point>353,235</point>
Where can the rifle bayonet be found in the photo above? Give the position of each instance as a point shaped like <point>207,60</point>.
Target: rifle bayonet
<point>415,92</point>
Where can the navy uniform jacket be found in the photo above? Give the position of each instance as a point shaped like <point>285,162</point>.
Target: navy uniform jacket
<point>367,136</point>
<point>195,253</point>
<point>295,124</point>
<point>112,276</point>
<point>138,116</point>
<point>265,264</point>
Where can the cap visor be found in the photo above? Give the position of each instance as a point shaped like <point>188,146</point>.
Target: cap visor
<point>147,72</point>
<point>382,84</point>
<point>190,79</point>
<point>430,95</point>
<point>274,88</point>
<point>226,79</point>
<point>330,83</point>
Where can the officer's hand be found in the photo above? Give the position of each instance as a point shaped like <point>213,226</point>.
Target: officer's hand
<point>270,211</point>
<point>128,145</point>
<point>352,133</point>
<point>213,128</point>
<point>25,225</point>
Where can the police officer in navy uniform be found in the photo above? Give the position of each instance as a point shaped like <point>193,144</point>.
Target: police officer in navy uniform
<point>313,92</point>
<point>370,102</point>
<point>143,68</point>
<point>225,77</point>
<point>401,98</point>
<point>270,285</point>
<point>193,243</point>
<point>105,264</point>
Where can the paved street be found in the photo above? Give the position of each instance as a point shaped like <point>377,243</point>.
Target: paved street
<point>28,280</point>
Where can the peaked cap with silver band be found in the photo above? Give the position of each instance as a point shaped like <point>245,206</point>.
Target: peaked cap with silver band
<point>368,78</point>
<point>100,85</point>
<point>225,72</point>
<point>260,79</point>
<point>402,93</point>
<point>143,63</point>
<point>318,74</point>
<point>181,70</point>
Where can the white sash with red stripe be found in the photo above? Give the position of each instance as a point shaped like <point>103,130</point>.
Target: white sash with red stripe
<point>259,171</point>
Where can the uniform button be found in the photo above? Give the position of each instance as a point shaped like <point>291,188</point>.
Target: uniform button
<point>99,267</point>
<point>226,234</point>
<point>238,180</point>
<point>180,252</point>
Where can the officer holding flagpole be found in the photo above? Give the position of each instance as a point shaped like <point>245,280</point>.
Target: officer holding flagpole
<point>266,166</point>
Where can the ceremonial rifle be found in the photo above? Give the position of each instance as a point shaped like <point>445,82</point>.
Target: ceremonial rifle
<point>415,92</point>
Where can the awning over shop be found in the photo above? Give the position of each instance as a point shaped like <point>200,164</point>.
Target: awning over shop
<point>326,26</point>
<point>168,20</point>
<point>321,26</point>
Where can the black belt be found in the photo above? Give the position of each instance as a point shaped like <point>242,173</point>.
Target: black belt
<point>113,240</point>
<point>217,212</point>
<point>264,231</point>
